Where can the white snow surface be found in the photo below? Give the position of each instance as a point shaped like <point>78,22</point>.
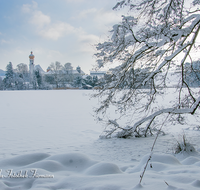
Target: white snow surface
<point>50,140</point>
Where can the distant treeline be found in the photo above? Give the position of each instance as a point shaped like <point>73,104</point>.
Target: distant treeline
<point>64,77</point>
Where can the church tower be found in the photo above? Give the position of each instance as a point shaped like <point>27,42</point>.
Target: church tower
<point>31,66</point>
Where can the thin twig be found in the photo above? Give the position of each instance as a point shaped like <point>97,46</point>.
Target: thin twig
<point>145,167</point>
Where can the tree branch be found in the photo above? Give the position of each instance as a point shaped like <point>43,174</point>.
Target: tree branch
<point>170,111</point>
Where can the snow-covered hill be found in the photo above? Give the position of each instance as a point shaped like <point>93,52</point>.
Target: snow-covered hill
<point>2,72</point>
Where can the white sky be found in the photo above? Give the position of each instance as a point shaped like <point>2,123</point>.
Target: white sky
<point>55,30</point>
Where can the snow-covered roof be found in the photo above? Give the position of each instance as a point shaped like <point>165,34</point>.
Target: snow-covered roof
<point>49,72</point>
<point>38,67</point>
<point>98,72</point>
<point>76,72</point>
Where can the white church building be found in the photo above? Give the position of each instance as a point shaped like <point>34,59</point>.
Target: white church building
<point>33,68</point>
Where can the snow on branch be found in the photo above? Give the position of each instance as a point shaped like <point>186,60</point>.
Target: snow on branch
<point>151,46</point>
<point>129,131</point>
<point>167,59</point>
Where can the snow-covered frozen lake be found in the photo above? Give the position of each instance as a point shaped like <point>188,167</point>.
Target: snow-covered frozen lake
<point>46,121</point>
<point>46,129</point>
<point>56,122</point>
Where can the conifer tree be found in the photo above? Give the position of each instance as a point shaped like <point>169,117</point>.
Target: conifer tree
<point>9,75</point>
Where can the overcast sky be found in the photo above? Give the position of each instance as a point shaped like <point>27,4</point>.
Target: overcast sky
<point>55,30</point>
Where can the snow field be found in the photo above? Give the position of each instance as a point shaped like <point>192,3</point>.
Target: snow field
<point>49,140</point>
<point>77,171</point>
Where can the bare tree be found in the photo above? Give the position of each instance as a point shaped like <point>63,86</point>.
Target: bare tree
<point>57,71</point>
<point>154,39</point>
<point>68,72</point>
<point>22,70</point>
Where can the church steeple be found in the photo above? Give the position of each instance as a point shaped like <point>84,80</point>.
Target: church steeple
<point>31,58</point>
<point>31,66</point>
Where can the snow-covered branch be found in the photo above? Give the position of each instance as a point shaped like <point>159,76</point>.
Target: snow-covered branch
<point>170,111</point>
<point>149,45</point>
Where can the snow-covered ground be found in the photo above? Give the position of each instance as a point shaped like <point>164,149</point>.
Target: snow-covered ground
<point>49,140</point>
